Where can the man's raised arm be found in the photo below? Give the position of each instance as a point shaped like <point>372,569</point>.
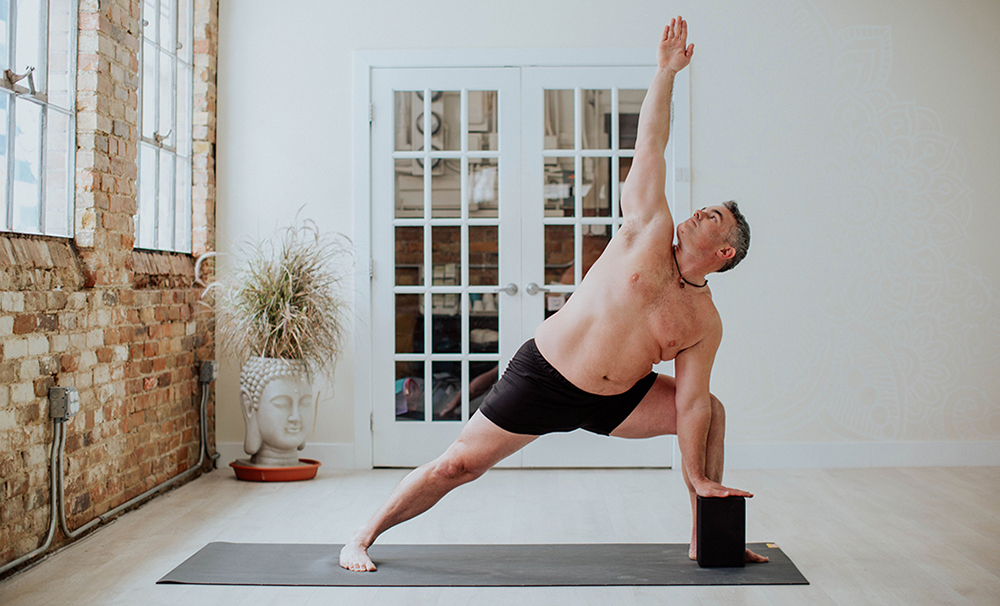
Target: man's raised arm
<point>642,194</point>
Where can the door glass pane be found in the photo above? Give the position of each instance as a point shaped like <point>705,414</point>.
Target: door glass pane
<point>447,323</point>
<point>409,189</point>
<point>629,102</point>
<point>554,301</point>
<point>482,377</point>
<point>624,164</point>
<point>27,166</point>
<point>559,178</point>
<point>409,324</point>
<point>595,190</point>
<point>446,255</point>
<point>446,188</point>
<point>483,191</point>
<point>57,174</point>
<point>559,119</point>
<point>409,391</point>
<point>447,396</point>
<point>596,119</point>
<point>595,240</point>
<point>446,128</point>
<point>484,323</point>
<point>484,268</point>
<point>407,136</point>
<point>483,120</point>
<point>559,254</point>
<point>409,256</point>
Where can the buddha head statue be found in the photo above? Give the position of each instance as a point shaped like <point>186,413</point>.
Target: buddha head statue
<point>279,410</point>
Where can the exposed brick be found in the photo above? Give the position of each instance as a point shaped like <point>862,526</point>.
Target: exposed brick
<point>25,324</point>
<point>81,312</point>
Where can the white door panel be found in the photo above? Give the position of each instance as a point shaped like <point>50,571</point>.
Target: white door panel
<point>525,166</point>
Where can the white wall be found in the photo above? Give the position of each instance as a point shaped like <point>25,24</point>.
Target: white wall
<point>861,138</point>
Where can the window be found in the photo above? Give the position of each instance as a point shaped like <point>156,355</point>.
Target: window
<point>163,218</point>
<point>37,117</point>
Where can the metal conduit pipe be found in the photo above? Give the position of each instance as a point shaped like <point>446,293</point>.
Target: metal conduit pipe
<point>207,375</point>
<point>53,479</point>
<point>202,449</point>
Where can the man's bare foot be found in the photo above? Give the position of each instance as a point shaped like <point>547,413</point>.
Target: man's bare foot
<point>354,557</point>
<point>750,556</point>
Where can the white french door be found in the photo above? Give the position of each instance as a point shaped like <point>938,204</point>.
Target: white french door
<point>485,217</point>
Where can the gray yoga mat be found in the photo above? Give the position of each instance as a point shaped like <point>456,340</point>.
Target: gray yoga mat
<point>475,566</point>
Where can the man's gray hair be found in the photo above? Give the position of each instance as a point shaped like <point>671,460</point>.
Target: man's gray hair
<point>739,237</point>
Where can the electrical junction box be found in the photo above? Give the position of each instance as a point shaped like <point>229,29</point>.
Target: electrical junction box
<point>64,402</point>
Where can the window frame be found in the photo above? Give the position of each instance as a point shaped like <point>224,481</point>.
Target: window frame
<point>31,94</point>
<point>149,232</point>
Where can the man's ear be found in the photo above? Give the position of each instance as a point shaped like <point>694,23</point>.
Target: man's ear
<point>252,442</point>
<point>726,253</point>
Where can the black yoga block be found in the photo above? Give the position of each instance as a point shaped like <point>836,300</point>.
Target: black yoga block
<point>722,529</point>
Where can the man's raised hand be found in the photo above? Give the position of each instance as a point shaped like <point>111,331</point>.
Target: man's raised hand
<point>674,52</point>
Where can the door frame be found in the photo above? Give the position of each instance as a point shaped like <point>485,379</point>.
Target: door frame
<point>364,63</point>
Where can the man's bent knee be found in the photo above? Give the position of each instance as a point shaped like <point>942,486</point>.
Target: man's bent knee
<point>453,468</point>
<point>718,411</point>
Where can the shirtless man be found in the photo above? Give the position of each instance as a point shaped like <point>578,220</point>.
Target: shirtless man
<point>589,366</point>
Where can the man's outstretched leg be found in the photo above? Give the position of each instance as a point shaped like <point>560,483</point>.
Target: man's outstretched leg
<point>480,446</point>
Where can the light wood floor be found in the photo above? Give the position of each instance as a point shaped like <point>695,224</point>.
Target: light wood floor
<point>874,536</point>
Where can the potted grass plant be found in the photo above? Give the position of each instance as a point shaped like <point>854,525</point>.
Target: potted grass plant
<point>281,315</point>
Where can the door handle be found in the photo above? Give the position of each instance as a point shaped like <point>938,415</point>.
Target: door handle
<point>533,289</point>
<point>510,289</point>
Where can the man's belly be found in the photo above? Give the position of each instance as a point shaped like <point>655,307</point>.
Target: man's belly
<point>596,354</point>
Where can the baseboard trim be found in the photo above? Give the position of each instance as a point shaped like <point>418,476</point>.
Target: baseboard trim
<point>777,455</point>
<point>830,455</point>
<point>331,454</point>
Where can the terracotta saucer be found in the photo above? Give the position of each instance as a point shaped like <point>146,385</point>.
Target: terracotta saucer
<point>306,470</point>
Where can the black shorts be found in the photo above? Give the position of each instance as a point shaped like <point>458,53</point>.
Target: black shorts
<point>533,398</point>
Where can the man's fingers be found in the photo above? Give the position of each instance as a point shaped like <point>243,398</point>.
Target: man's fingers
<point>690,50</point>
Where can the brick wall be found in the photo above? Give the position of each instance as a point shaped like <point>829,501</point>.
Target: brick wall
<point>123,326</point>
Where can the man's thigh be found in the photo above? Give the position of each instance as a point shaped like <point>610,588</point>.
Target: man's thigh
<point>656,414</point>
<point>482,444</point>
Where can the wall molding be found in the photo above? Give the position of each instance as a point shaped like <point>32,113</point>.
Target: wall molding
<point>832,455</point>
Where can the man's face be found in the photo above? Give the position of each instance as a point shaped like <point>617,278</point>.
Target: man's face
<point>707,229</point>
